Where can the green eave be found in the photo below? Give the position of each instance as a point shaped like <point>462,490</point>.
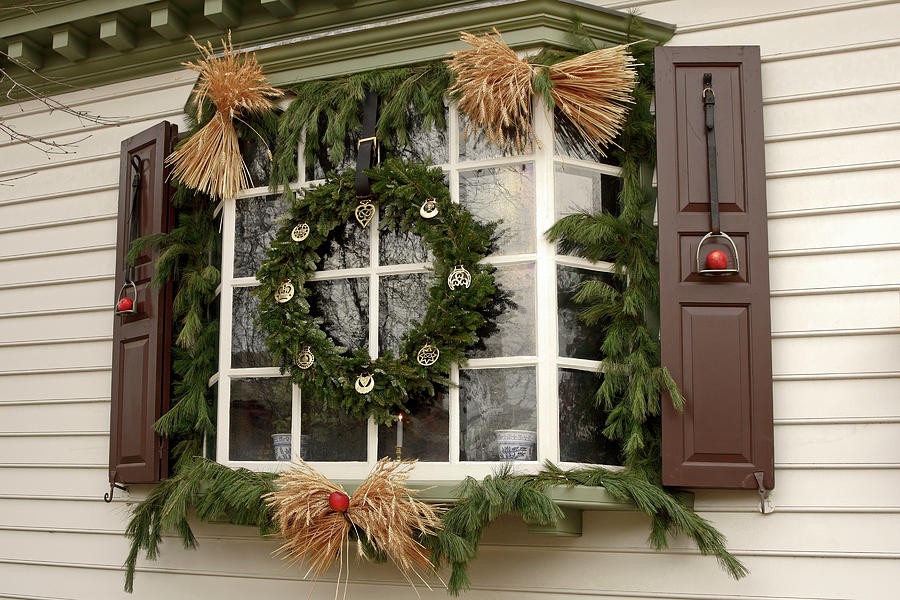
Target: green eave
<point>306,40</point>
<point>573,500</point>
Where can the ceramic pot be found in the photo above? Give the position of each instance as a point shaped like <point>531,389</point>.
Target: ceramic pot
<point>281,444</point>
<point>516,444</point>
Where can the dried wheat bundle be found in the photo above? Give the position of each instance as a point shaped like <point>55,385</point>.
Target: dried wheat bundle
<point>493,88</point>
<point>381,511</point>
<point>210,160</point>
<point>594,90</point>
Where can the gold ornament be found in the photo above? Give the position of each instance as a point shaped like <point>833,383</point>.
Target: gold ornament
<point>428,355</point>
<point>365,383</point>
<point>429,209</point>
<point>300,232</point>
<point>305,359</point>
<point>459,277</point>
<point>285,291</point>
<point>364,212</point>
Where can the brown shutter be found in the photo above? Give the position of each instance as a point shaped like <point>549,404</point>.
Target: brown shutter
<point>715,331</point>
<point>141,342</point>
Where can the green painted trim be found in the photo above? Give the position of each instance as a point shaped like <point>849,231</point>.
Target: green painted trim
<point>324,41</point>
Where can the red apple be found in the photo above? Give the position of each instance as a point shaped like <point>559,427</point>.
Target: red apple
<point>339,501</point>
<point>716,260</point>
<point>124,304</point>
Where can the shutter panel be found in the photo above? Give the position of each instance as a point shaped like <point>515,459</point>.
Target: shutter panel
<point>714,330</point>
<point>141,342</point>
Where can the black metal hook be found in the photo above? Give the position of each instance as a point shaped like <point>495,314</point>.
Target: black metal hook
<point>108,496</point>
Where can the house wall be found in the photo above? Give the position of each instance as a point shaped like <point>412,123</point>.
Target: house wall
<point>830,90</point>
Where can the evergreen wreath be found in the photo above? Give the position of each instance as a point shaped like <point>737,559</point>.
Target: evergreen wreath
<point>455,318</point>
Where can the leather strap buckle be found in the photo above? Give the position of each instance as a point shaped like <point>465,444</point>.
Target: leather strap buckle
<point>372,139</point>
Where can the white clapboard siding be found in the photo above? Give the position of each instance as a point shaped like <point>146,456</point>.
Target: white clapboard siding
<point>833,168</point>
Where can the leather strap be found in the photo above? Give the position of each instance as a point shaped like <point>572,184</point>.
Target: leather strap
<point>709,107</point>
<point>134,215</point>
<point>367,147</point>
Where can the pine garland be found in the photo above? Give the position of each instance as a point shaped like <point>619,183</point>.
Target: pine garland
<point>454,321</point>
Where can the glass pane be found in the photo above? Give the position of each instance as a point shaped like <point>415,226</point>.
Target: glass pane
<point>503,194</point>
<point>248,342</point>
<point>344,305</point>
<point>473,146</point>
<point>260,408</point>
<point>570,142</point>
<point>396,247</point>
<point>575,338</point>
<point>401,299</point>
<point>256,157</point>
<point>329,434</point>
<point>425,431</point>
<point>322,163</point>
<point>581,420</point>
<point>424,142</point>
<point>578,190</point>
<point>347,247</point>
<point>514,328</point>
<point>492,403</point>
<point>254,229</point>
<point>210,451</point>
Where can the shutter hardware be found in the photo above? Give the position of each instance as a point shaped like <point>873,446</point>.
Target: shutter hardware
<point>108,496</point>
<point>709,105</point>
<point>764,507</point>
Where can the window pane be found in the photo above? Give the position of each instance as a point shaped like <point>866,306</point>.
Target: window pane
<point>254,229</point>
<point>256,157</point>
<point>210,452</point>
<point>401,299</point>
<point>344,306</point>
<point>396,247</point>
<point>260,408</point>
<point>503,194</point>
<point>576,340</point>
<point>329,434</point>
<point>581,420</point>
<point>474,147</point>
<point>347,247</point>
<point>248,342</point>
<point>322,163</point>
<point>514,333</point>
<point>570,142</point>
<point>425,431</point>
<point>578,190</point>
<point>492,400</point>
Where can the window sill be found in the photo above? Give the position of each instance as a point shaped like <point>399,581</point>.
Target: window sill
<point>573,500</point>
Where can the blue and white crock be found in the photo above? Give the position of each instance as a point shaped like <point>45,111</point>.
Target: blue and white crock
<point>516,444</point>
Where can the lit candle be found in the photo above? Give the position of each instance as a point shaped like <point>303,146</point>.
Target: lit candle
<point>400,430</point>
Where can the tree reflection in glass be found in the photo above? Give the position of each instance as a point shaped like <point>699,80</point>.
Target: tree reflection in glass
<point>260,407</point>
<point>581,420</point>
<point>514,334</point>
<point>347,247</point>
<point>401,299</point>
<point>474,146</point>
<point>492,399</point>
<point>344,306</point>
<point>503,194</point>
<point>255,226</point>
<point>248,342</point>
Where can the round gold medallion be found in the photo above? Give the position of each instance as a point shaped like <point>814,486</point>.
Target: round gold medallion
<point>364,212</point>
<point>459,277</point>
<point>300,232</point>
<point>305,359</point>
<point>428,355</point>
<point>365,383</point>
<point>285,291</point>
<point>429,209</point>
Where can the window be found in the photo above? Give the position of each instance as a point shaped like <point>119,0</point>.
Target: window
<point>534,376</point>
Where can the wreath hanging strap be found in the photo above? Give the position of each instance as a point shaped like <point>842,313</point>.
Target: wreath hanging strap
<point>461,298</point>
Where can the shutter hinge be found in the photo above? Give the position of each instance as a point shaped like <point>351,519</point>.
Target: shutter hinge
<point>108,496</point>
<point>765,506</point>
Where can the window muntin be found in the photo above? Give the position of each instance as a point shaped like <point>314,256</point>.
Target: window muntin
<point>535,372</point>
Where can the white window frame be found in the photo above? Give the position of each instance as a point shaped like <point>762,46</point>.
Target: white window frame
<point>546,361</point>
